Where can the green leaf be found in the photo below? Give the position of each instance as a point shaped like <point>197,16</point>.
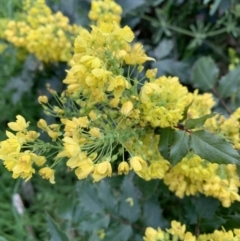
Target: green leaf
<point>185,113</point>
<point>106,197</point>
<point>198,122</point>
<point>129,204</point>
<point>95,222</point>
<point>216,222</point>
<point>120,233</point>
<point>229,83</point>
<point>204,74</point>
<point>129,6</point>
<point>180,146</point>
<point>172,67</point>
<point>94,237</point>
<point>232,221</point>
<point>215,6</point>
<point>213,148</point>
<point>166,139</point>
<point>152,214</point>
<point>88,197</point>
<point>206,207</point>
<point>163,49</point>
<point>55,232</point>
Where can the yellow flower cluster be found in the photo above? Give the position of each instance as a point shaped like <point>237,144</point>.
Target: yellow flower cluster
<point>105,10</point>
<point>47,35</point>
<point>163,101</point>
<point>193,174</point>
<point>178,232</point>
<point>109,117</point>
<point>226,127</point>
<point>21,163</point>
<point>201,105</point>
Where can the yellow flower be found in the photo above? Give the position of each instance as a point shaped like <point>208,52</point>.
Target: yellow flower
<point>23,167</point>
<point>150,234</point>
<point>157,169</point>
<point>43,99</point>
<point>47,173</point>
<point>123,168</point>
<point>42,124</point>
<point>84,168</point>
<point>189,237</point>
<point>137,163</point>
<point>151,73</point>
<point>127,108</point>
<point>20,125</point>
<point>102,170</point>
<point>177,229</point>
<point>39,160</point>
<point>95,132</point>
<point>11,145</point>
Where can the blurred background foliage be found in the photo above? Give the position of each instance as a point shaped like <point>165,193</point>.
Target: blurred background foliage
<point>198,41</point>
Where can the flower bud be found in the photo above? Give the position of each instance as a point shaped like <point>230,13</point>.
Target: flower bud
<point>43,99</point>
<point>127,108</point>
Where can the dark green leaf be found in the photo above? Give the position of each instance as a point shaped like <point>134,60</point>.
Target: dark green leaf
<point>55,232</point>
<point>120,233</point>
<point>129,204</point>
<point>106,197</point>
<point>94,237</point>
<point>95,222</point>
<point>198,122</point>
<point>163,49</point>
<point>206,207</point>
<point>166,139</point>
<point>172,67</point>
<point>88,197</point>
<point>232,221</point>
<point>204,74</point>
<point>207,225</point>
<point>180,146</point>
<point>213,148</point>
<point>152,214</point>
<point>229,83</point>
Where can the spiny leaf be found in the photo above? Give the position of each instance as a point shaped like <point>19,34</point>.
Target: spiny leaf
<point>198,122</point>
<point>213,148</point>
<point>180,146</point>
<point>55,232</point>
<point>204,73</point>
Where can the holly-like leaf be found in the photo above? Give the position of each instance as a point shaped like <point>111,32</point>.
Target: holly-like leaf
<point>88,197</point>
<point>56,233</point>
<point>204,74</point>
<point>213,148</point>
<point>166,139</point>
<point>229,83</point>
<point>152,214</point>
<point>180,146</point>
<point>198,122</point>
